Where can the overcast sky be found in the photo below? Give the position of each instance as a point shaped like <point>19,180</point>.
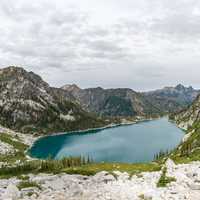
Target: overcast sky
<point>140,44</point>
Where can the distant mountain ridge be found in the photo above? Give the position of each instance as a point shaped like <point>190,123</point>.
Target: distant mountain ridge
<point>172,99</point>
<point>29,104</point>
<point>126,102</point>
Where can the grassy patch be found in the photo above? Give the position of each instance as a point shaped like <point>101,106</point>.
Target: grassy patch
<point>141,196</point>
<point>23,177</point>
<point>38,166</point>
<point>27,184</point>
<point>94,168</point>
<point>25,168</point>
<point>19,153</point>
<point>12,158</point>
<point>10,140</point>
<point>164,180</point>
<point>190,149</point>
<point>193,156</point>
<point>74,166</point>
<point>71,165</point>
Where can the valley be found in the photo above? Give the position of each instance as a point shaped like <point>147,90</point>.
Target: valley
<point>29,105</point>
<point>117,144</point>
<point>32,111</point>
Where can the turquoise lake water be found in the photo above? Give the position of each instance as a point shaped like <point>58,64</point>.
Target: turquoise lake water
<point>130,143</point>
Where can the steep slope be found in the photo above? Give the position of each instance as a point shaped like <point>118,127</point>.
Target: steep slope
<point>189,120</point>
<point>170,99</point>
<point>112,102</point>
<point>189,116</point>
<point>29,104</point>
<point>126,102</point>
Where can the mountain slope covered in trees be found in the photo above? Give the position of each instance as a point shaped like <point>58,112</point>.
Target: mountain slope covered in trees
<point>29,104</point>
<point>189,120</point>
<point>126,102</point>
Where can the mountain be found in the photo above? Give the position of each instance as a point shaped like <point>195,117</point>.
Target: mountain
<point>126,102</point>
<point>112,102</point>
<point>189,120</point>
<point>188,117</point>
<point>29,104</point>
<point>172,99</point>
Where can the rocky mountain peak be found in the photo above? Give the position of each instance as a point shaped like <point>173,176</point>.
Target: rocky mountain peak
<point>70,87</point>
<point>190,88</point>
<point>17,74</point>
<point>180,87</point>
<point>13,69</point>
<point>29,104</point>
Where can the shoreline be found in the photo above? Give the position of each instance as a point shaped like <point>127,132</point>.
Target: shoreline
<point>112,125</point>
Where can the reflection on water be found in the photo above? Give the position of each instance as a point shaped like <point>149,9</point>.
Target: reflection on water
<point>133,143</point>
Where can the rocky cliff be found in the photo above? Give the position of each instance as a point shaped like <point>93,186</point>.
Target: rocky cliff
<point>189,120</point>
<point>171,99</point>
<point>112,102</point>
<point>29,104</point>
<point>126,102</point>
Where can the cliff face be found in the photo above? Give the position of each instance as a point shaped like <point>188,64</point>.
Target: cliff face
<point>29,104</point>
<point>189,120</point>
<point>112,102</point>
<point>189,116</point>
<point>126,102</point>
<point>172,99</point>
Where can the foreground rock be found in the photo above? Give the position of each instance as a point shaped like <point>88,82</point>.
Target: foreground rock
<point>104,186</point>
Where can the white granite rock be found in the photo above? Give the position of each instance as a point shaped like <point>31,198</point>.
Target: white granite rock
<point>104,186</point>
<point>170,165</point>
<point>11,193</point>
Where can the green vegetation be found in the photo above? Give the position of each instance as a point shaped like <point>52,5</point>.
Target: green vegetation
<point>20,148</point>
<point>38,166</point>
<point>141,196</point>
<point>23,177</point>
<point>164,180</point>
<point>190,149</point>
<point>118,106</point>
<point>74,166</point>
<point>12,158</point>
<point>50,121</point>
<point>27,184</point>
<point>71,165</point>
<point>161,155</point>
<point>13,142</point>
<point>94,168</point>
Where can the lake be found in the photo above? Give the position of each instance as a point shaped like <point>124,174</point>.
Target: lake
<point>129,143</point>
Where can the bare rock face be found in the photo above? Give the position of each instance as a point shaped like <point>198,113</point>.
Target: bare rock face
<point>108,102</point>
<point>170,165</point>
<point>103,177</point>
<point>187,117</point>
<point>126,102</point>
<point>172,99</point>
<point>104,186</point>
<point>11,193</point>
<point>189,120</point>
<point>29,104</point>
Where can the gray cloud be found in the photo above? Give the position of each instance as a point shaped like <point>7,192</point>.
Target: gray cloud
<point>136,44</point>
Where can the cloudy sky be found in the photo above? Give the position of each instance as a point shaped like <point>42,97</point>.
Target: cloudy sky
<point>110,43</point>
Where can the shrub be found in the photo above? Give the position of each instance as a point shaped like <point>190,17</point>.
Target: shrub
<point>27,184</point>
<point>164,180</point>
